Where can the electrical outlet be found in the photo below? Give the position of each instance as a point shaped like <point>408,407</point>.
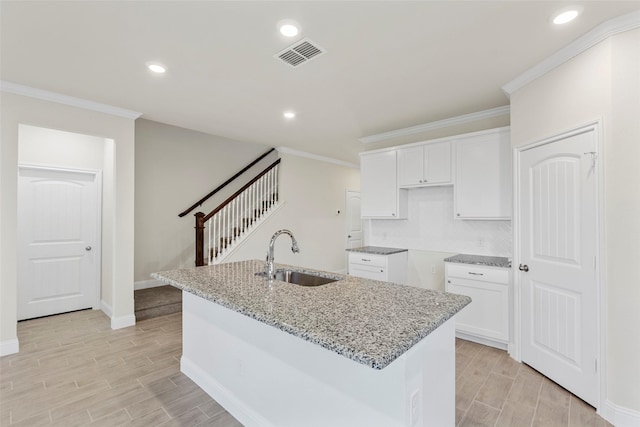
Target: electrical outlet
<point>415,406</point>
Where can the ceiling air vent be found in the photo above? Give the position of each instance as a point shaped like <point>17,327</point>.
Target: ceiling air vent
<point>300,52</point>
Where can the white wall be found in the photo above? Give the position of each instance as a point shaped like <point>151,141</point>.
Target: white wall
<point>50,147</point>
<point>175,167</point>
<point>431,234</point>
<point>118,212</point>
<point>602,83</point>
<point>313,191</point>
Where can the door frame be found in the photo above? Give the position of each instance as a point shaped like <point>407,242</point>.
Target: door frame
<point>515,347</point>
<point>346,239</point>
<point>96,305</point>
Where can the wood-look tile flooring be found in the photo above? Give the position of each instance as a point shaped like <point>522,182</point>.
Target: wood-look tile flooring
<point>73,370</point>
<point>492,389</point>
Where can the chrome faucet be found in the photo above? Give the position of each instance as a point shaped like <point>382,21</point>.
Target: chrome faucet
<point>269,269</point>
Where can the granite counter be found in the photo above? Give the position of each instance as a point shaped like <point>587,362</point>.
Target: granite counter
<point>368,321</point>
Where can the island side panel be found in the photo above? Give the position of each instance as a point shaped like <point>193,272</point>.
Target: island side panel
<point>266,377</point>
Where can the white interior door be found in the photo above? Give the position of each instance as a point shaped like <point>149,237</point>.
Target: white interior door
<point>354,220</point>
<point>558,247</point>
<point>58,240</point>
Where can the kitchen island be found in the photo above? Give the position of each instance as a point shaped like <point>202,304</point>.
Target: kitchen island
<point>355,352</point>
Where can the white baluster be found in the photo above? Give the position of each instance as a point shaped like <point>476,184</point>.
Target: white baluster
<point>209,247</point>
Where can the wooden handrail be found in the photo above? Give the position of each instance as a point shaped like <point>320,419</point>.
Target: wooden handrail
<point>244,187</point>
<point>224,184</point>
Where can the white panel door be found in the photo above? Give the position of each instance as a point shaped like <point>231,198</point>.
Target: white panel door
<point>558,248</point>
<point>58,241</point>
<point>354,220</point>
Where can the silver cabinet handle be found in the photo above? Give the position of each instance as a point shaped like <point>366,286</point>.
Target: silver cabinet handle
<point>365,260</point>
<point>523,267</point>
<point>476,274</point>
<point>88,248</point>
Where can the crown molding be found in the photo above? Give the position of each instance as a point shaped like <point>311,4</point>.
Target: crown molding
<point>629,21</point>
<point>294,152</point>
<point>59,98</point>
<point>452,121</point>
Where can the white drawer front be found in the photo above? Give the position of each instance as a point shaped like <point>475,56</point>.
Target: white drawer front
<point>476,272</point>
<point>368,259</point>
<point>368,272</point>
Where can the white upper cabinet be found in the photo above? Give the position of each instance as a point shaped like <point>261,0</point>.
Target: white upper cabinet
<point>483,178</point>
<point>424,165</point>
<point>380,195</point>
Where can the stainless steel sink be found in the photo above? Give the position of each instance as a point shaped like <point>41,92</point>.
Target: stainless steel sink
<point>299,278</point>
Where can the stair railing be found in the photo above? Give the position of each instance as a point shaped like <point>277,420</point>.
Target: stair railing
<point>232,219</point>
<point>224,184</point>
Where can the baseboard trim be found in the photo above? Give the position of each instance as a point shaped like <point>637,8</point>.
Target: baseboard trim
<point>480,340</point>
<point>123,321</point>
<point>146,284</point>
<point>619,415</point>
<point>222,395</point>
<point>9,347</point>
<point>117,322</point>
<point>106,308</point>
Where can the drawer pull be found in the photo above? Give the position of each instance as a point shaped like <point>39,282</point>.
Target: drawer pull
<point>476,274</point>
<point>365,260</point>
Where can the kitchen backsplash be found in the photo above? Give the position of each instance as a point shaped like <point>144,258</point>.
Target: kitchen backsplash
<point>431,227</point>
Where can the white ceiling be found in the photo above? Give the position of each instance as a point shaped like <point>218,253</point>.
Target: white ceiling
<point>388,65</point>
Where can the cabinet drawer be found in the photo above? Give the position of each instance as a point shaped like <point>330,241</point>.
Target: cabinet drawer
<point>473,272</point>
<point>368,272</point>
<point>368,259</point>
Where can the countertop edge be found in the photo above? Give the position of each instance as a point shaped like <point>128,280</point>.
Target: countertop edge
<point>381,362</point>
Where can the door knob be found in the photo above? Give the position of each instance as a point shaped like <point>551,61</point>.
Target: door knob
<point>349,236</point>
<point>88,248</point>
<point>523,267</point>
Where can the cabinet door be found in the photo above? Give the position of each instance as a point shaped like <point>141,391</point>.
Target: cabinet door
<point>482,187</point>
<point>437,163</point>
<point>379,185</point>
<point>410,166</point>
<point>487,316</point>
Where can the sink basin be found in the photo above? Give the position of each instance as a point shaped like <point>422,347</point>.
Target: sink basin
<point>299,278</point>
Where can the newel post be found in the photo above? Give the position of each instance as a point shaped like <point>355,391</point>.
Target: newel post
<point>199,239</point>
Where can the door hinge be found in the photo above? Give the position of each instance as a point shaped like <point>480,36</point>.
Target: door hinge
<point>594,156</point>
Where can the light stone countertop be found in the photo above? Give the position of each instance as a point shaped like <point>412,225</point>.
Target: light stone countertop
<point>491,261</point>
<point>368,321</point>
<point>377,250</point>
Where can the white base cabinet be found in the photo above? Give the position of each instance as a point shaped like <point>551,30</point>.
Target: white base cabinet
<point>486,320</point>
<point>386,268</point>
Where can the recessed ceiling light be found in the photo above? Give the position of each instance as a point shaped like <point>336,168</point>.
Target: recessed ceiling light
<point>566,15</point>
<point>289,30</point>
<point>289,114</point>
<point>156,68</point>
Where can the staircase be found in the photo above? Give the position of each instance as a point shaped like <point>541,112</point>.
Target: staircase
<point>223,229</point>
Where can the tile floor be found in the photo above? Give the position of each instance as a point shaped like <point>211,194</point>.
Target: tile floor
<point>73,370</point>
